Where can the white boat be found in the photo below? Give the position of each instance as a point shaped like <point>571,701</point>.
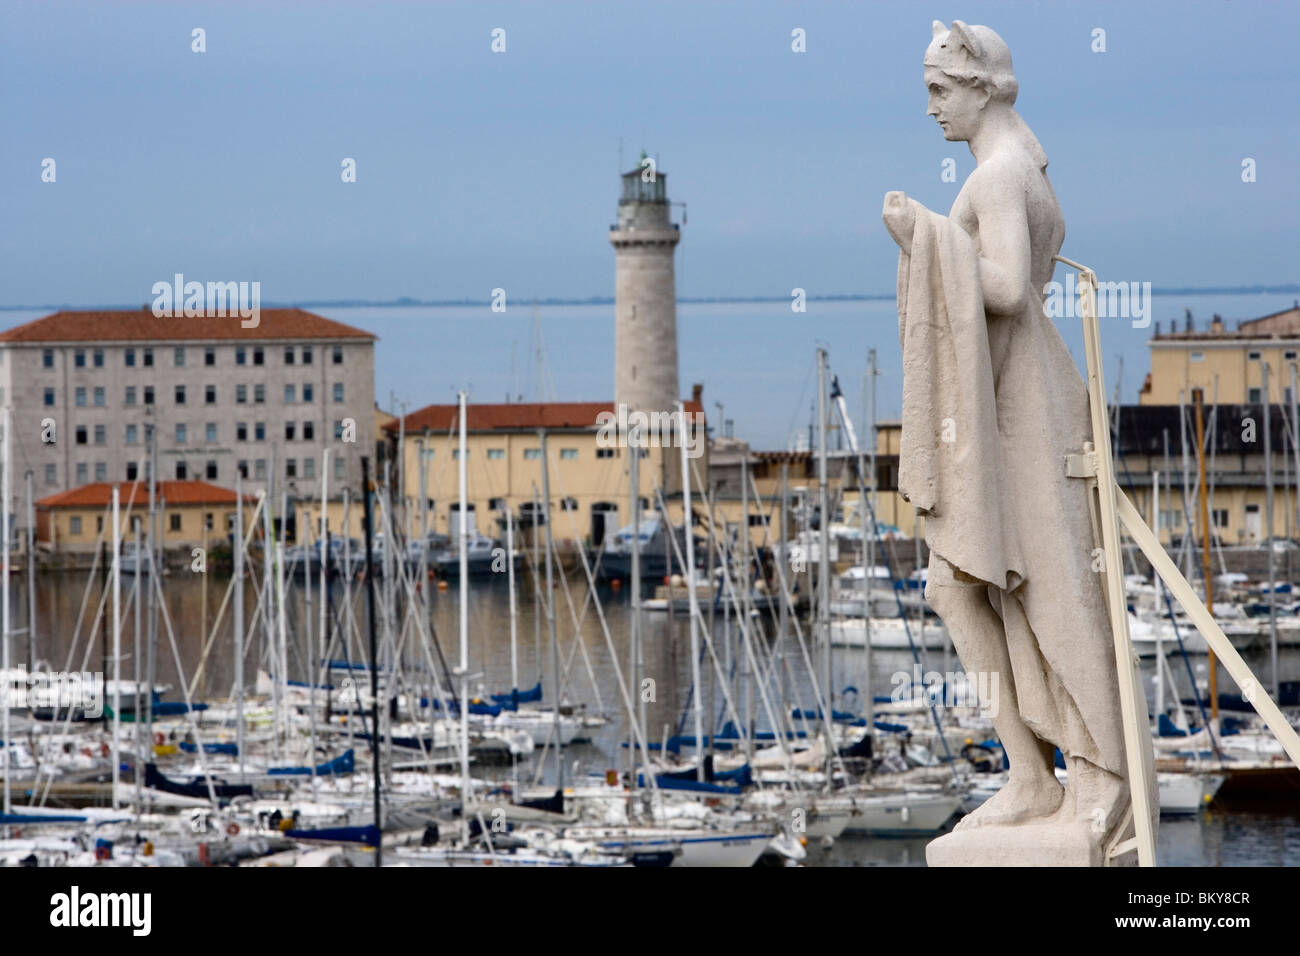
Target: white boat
<point>1187,792</point>
<point>889,633</point>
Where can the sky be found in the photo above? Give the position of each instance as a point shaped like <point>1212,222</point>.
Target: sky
<point>478,170</point>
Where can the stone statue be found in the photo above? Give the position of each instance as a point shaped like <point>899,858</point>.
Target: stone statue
<point>992,405</point>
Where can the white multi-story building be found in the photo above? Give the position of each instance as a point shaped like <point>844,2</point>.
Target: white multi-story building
<point>88,388</point>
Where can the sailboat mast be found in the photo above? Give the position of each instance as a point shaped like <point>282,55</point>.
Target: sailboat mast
<point>689,570</point>
<point>464,619</point>
<point>4,530</point>
<point>237,550</point>
<point>374,653</point>
<point>550,606</point>
<point>823,559</point>
<point>1207,535</point>
<point>117,639</point>
<point>31,574</point>
<point>1268,523</point>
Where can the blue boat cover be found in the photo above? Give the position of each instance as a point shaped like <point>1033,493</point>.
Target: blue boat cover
<point>368,834</point>
<point>343,763</point>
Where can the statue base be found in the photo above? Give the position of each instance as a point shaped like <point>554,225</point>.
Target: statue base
<point>1026,844</point>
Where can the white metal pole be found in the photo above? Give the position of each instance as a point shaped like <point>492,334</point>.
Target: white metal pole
<point>117,639</point>
<point>689,571</point>
<point>465,795</point>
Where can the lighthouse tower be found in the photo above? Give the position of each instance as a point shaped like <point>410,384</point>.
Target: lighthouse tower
<point>645,296</point>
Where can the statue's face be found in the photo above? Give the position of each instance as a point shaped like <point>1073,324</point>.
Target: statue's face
<point>957,108</point>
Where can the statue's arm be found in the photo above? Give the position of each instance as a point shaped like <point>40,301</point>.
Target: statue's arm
<point>1005,261</point>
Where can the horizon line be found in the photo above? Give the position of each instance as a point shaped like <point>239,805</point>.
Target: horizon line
<point>406,301</point>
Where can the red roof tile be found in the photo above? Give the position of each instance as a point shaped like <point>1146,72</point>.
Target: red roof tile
<point>141,325</point>
<point>512,416</point>
<point>100,493</point>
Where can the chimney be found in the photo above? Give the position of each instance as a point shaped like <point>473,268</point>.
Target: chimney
<point>697,393</point>
<point>1216,324</point>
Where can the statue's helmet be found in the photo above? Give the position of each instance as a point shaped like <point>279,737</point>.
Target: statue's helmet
<point>974,55</point>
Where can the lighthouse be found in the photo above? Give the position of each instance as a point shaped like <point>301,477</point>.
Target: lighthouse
<point>645,295</point>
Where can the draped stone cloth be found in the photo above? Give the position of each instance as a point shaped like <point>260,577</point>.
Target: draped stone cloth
<point>992,405</point>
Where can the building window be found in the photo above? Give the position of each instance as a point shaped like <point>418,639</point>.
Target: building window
<point>101,473</point>
<point>99,358</point>
<point>180,394</point>
<point>99,397</point>
<point>99,519</point>
<point>532,454</point>
<point>175,521</point>
<point>1196,357</point>
<point>605,452</point>
<point>129,355</point>
<point>1252,356</point>
<point>130,395</point>
<point>309,467</point>
<point>51,474</point>
<point>338,355</point>
<point>209,521</point>
<point>241,431</point>
<point>49,396</point>
<point>569,504</point>
<point>79,358</point>
<point>240,358</point>
<point>241,394</point>
<point>645,453</point>
<point>47,358</point>
<point>83,473</point>
<point>180,433</point>
<point>258,357</point>
<point>83,434</point>
<point>338,434</point>
<point>132,470</point>
<point>338,391</point>
<point>209,394</point>
<point>178,357</point>
<point>307,395</point>
<point>182,472</point>
<point>340,469</point>
<point>210,432</point>
<point>568,454</point>
<point>259,431</point>
<point>243,469</point>
<point>101,434</point>
<point>496,454</point>
<point>212,475</point>
<point>290,431</point>
<point>132,434</point>
<point>306,355</point>
<point>290,394</point>
<point>291,468</point>
<point>148,394</point>
<point>496,504</point>
<point>259,394</point>
<point>148,358</point>
<point>288,355</point>
<point>74,524</point>
<point>1253,396</point>
<point>79,397</point>
<point>209,356</point>
<point>1289,356</point>
<point>308,431</point>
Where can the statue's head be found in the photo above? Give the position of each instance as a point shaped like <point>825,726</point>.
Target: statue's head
<point>967,71</point>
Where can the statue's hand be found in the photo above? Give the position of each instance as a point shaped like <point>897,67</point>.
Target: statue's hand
<point>900,219</point>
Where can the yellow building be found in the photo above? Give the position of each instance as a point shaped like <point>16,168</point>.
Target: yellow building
<point>799,468</point>
<point>1227,365</point>
<point>588,471</point>
<point>191,514</point>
